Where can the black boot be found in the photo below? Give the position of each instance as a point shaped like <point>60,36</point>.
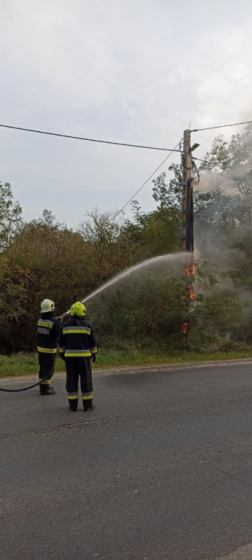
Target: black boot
<point>49,391</point>
<point>73,404</point>
<point>88,405</point>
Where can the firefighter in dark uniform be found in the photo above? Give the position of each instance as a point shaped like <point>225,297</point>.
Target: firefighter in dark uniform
<point>77,346</point>
<point>48,331</point>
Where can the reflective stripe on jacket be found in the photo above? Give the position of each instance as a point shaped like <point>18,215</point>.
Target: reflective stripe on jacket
<point>77,339</point>
<point>48,331</point>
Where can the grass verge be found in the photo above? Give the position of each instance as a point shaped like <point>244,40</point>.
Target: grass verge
<point>25,364</point>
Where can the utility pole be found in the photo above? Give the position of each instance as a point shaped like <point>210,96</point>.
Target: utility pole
<point>187,195</point>
<point>187,218</point>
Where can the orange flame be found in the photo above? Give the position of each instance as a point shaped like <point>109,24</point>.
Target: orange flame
<point>190,271</point>
<point>185,327</point>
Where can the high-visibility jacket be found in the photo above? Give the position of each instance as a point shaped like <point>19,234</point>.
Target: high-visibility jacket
<point>48,331</point>
<point>77,339</point>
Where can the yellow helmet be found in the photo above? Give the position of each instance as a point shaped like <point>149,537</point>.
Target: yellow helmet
<point>47,305</point>
<point>78,309</point>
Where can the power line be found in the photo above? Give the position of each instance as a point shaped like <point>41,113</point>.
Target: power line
<point>194,164</point>
<point>145,182</point>
<point>86,139</point>
<point>116,143</point>
<point>203,161</point>
<point>220,126</point>
<point>198,159</point>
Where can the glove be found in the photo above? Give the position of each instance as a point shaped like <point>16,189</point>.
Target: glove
<point>93,357</point>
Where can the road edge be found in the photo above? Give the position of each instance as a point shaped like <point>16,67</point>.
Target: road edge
<point>141,369</point>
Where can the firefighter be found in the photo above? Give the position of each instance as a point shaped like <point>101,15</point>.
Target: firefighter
<point>48,331</point>
<point>77,346</point>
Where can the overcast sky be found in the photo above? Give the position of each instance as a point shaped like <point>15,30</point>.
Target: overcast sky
<point>135,71</point>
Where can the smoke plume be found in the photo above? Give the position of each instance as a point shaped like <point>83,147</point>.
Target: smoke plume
<point>210,182</point>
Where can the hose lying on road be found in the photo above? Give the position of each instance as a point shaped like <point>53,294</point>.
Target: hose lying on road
<point>29,387</point>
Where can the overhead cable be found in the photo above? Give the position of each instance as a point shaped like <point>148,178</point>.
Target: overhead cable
<point>220,126</point>
<point>86,139</point>
<point>198,159</point>
<point>150,177</point>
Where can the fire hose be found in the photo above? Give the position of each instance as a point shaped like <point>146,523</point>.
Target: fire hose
<point>30,386</point>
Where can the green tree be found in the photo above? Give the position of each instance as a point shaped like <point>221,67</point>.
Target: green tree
<point>158,232</point>
<point>109,249</point>
<point>10,215</point>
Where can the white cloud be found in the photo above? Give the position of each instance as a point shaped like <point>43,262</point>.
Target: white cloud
<point>224,82</point>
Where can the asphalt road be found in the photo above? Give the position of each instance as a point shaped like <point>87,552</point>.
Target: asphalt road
<point>161,470</point>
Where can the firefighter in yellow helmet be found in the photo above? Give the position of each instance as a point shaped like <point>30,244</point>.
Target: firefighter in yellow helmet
<point>77,346</point>
<point>48,331</point>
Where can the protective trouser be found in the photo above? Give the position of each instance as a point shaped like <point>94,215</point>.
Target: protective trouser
<point>76,367</point>
<point>46,369</point>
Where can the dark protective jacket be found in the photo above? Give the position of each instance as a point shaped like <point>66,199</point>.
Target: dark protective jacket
<point>77,339</point>
<point>49,329</point>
